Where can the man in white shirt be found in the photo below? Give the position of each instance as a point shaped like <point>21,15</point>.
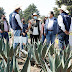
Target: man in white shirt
<point>64,22</point>
<point>16,23</point>
<point>50,29</point>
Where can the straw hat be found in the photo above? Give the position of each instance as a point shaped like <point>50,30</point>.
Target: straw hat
<point>64,8</point>
<point>34,14</point>
<point>17,7</point>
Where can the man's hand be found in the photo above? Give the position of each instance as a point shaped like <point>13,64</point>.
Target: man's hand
<point>26,31</point>
<point>44,34</point>
<point>66,32</point>
<point>24,34</point>
<point>1,31</point>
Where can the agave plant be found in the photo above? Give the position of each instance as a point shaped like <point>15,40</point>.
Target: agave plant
<point>60,62</point>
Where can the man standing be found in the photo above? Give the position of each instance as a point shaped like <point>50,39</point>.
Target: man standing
<point>16,23</point>
<point>35,28</point>
<point>50,29</point>
<point>64,21</point>
<point>24,31</point>
<point>4,28</point>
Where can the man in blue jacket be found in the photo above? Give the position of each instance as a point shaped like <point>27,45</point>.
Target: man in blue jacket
<point>50,29</point>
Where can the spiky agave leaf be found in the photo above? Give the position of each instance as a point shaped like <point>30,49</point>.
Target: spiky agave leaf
<point>51,49</point>
<point>44,50</point>
<point>26,67</point>
<point>57,61</point>
<point>66,63</point>
<point>52,62</point>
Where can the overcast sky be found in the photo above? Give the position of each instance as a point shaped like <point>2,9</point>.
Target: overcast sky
<point>44,6</point>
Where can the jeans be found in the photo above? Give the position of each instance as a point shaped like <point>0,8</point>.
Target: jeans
<point>5,35</point>
<point>26,40</point>
<point>50,37</point>
<point>16,33</point>
<point>63,40</point>
<point>43,38</point>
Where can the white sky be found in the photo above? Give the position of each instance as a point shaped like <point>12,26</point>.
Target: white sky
<point>44,6</point>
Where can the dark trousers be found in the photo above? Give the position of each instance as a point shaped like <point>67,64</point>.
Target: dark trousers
<point>5,35</point>
<point>35,38</point>
<point>63,39</point>
<point>31,37</point>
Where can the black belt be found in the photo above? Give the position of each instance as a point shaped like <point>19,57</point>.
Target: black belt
<point>50,30</point>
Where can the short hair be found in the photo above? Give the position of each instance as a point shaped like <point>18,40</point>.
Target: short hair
<point>52,13</point>
<point>23,21</point>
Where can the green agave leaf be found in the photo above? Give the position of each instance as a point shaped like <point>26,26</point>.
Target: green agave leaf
<point>57,61</point>
<point>44,50</point>
<point>26,65</point>
<point>51,49</point>
<point>67,62</point>
<point>11,65</point>
<point>15,65</point>
<point>43,65</point>
<point>66,53</point>
<point>63,65</point>
<point>60,68</point>
<point>52,63</point>
<point>37,55</point>
<point>47,68</point>
<point>39,48</point>
<point>0,45</point>
<point>69,69</point>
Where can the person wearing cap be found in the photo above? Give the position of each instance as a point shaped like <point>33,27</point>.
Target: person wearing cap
<point>16,23</point>
<point>64,21</point>
<point>35,28</point>
<point>50,28</point>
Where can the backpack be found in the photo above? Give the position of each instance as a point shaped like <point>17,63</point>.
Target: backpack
<point>66,21</point>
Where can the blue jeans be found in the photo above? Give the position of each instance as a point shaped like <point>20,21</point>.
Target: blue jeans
<point>43,38</point>
<point>50,37</point>
<point>63,40</point>
<point>5,35</point>
<point>26,41</point>
<point>16,33</point>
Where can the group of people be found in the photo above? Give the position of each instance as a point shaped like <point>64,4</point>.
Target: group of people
<point>49,29</point>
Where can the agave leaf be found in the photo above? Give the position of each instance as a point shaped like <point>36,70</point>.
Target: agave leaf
<point>27,64</point>
<point>44,50</point>
<point>11,65</point>
<point>51,49</point>
<point>39,48</point>
<point>11,52</point>
<point>37,55</point>
<point>47,68</point>
<point>52,63</point>
<point>57,61</point>
<point>3,56</point>
<point>8,60</point>
<point>69,69</point>
<point>66,53</point>
<point>43,65</point>
<point>67,62</point>
<point>63,65</point>
<point>15,65</point>
<point>0,45</point>
<point>60,68</point>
